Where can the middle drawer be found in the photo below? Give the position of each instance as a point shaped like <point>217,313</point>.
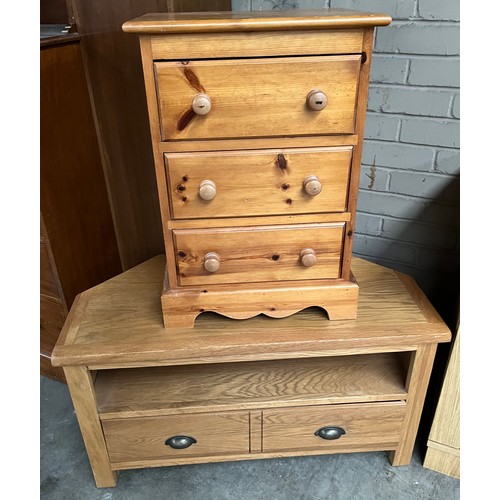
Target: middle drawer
<point>258,254</point>
<point>252,183</point>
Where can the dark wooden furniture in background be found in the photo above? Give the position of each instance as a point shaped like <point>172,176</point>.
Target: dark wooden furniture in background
<point>54,12</point>
<point>77,245</point>
<point>114,70</point>
<point>92,135</point>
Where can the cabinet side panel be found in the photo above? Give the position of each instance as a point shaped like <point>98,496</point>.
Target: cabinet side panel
<point>364,79</point>
<point>73,197</point>
<point>154,123</point>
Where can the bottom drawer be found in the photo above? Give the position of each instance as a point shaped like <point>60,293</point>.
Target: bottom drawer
<point>132,439</point>
<point>334,427</point>
<point>259,254</point>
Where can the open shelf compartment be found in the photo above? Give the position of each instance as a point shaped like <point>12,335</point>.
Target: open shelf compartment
<point>152,391</point>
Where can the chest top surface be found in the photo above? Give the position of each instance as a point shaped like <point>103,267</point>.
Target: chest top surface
<point>210,22</point>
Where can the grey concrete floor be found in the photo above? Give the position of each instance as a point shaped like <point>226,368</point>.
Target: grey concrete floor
<point>65,471</point>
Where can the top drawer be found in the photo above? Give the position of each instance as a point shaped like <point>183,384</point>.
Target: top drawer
<point>257,97</point>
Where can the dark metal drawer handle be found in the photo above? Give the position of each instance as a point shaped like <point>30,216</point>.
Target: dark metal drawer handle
<point>180,442</point>
<point>330,433</point>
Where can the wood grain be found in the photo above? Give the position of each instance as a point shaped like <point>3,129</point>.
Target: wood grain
<point>141,464</point>
<point>123,326</point>
<point>52,315</point>
<point>75,316</point>
<point>255,21</point>
<point>257,44</point>
<point>417,381</point>
<point>259,84</point>
<point>353,189</point>
<point>257,254</point>
<point>113,69</point>
<point>338,298</point>
<point>53,12</point>
<point>50,371</point>
<point>234,386</point>
<point>71,177</point>
<point>316,141</point>
<point>274,186</point>
<point>198,5</point>
<point>443,445</point>
<point>83,397</point>
<point>364,425</point>
<point>144,438</point>
<point>154,123</point>
<point>49,281</point>
<point>446,423</point>
<point>442,459</point>
<point>277,220</point>
<point>256,432</point>
<point>419,297</point>
<point>78,247</point>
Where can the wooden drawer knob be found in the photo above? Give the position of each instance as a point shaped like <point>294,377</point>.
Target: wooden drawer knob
<point>312,185</point>
<point>308,257</point>
<point>207,190</point>
<point>201,104</point>
<point>212,262</point>
<point>317,100</point>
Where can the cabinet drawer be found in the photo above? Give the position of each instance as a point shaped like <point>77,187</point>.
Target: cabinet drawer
<point>359,426</point>
<point>258,254</point>
<point>133,439</point>
<point>271,182</point>
<point>257,97</point>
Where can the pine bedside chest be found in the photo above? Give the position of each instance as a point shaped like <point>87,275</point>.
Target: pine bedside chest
<point>257,127</point>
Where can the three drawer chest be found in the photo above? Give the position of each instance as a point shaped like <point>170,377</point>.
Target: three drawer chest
<point>257,127</point>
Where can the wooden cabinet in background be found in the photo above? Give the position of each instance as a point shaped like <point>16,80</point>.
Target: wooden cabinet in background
<point>114,70</point>
<point>443,445</point>
<point>99,204</point>
<point>77,244</point>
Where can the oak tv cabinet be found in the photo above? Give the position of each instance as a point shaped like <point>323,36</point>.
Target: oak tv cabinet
<point>240,390</point>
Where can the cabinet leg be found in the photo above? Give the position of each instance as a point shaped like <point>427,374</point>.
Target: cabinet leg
<point>82,393</point>
<point>417,380</point>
